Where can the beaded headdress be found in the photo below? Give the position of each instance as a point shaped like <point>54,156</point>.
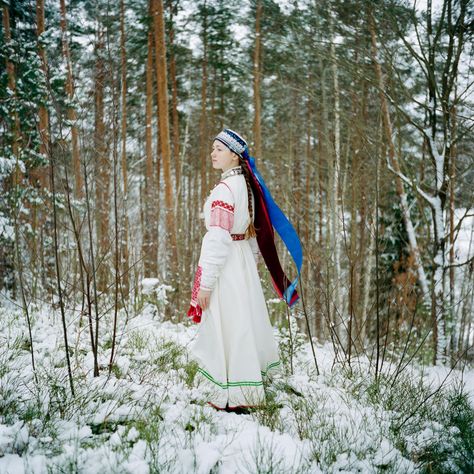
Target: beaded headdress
<point>232,140</point>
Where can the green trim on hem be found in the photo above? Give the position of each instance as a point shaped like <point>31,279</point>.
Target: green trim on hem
<point>238,384</point>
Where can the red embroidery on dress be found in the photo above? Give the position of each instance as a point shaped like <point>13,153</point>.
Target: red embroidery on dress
<point>222,204</point>
<point>222,215</point>
<point>197,284</point>
<point>195,310</point>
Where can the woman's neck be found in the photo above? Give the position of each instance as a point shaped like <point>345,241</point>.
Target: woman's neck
<point>230,171</point>
<point>230,168</point>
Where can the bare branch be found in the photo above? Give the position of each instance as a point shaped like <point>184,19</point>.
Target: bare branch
<point>454,265</point>
<point>410,183</point>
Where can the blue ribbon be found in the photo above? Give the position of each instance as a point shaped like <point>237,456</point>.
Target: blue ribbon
<point>282,225</point>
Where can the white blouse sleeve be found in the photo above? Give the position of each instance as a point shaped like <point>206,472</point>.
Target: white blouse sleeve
<point>255,249</point>
<point>217,240</point>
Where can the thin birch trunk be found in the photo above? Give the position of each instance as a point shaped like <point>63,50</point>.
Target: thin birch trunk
<point>466,296</point>
<point>452,184</point>
<point>58,275</point>
<point>325,229</point>
<point>125,280</point>
<point>92,297</point>
<point>365,290</point>
<point>102,174</point>
<point>117,240</point>
<point>335,208</point>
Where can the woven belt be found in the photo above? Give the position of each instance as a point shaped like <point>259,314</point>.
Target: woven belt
<point>238,236</point>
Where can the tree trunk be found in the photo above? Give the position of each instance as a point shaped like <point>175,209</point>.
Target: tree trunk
<point>442,160</point>
<point>150,224</point>
<point>39,175</point>
<point>125,280</point>
<point>162,86</point>
<point>452,209</point>
<point>17,175</point>
<point>102,165</point>
<point>334,190</point>
<point>175,120</point>
<point>257,72</point>
<point>203,133</point>
<point>325,205</point>
<point>71,111</point>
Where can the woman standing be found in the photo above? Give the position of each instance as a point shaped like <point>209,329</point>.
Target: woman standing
<point>235,348</point>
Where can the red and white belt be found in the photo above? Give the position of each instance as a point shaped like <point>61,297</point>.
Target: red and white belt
<point>238,236</point>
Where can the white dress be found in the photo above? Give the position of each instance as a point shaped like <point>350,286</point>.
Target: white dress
<point>234,347</point>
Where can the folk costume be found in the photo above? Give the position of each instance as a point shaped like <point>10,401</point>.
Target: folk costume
<point>235,348</point>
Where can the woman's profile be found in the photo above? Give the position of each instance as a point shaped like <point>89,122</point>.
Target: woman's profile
<point>235,348</point>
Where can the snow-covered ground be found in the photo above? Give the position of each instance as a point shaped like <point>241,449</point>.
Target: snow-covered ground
<point>148,415</point>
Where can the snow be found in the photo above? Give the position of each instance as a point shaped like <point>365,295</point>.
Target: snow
<point>153,287</point>
<point>464,245</point>
<point>7,166</point>
<point>149,284</point>
<point>147,417</point>
<point>11,464</point>
<point>7,231</point>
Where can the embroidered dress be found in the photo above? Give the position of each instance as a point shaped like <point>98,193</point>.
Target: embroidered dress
<point>234,347</point>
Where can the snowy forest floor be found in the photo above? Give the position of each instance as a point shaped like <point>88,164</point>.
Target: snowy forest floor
<point>148,415</point>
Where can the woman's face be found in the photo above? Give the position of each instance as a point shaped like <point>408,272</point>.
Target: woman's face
<point>222,158</point>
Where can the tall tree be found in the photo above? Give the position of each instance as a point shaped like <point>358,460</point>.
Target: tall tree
<point>71,110</point>
<point>150,234</point>
<point>101,162</point>
<point>203,125</point>
<point>257,131</point>
<point>162,86</point>
<point>41,172</point>
<point>125,266</point>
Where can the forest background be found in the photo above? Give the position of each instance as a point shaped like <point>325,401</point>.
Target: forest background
<point>359,114</point>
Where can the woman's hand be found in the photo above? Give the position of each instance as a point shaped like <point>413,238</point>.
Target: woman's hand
<point>203,298</point>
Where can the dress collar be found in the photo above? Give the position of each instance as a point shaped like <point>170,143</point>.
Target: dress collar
<point>232,172</point>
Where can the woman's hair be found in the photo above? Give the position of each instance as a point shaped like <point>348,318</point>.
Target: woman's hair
<point>250,232</point>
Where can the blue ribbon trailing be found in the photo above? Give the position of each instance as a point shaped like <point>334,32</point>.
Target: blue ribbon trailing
<point>282,225</point>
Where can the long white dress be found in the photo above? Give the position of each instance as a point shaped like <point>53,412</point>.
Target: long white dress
<point>234,347</point>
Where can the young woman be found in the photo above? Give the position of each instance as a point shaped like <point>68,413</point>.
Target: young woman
<point>235,348</point>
